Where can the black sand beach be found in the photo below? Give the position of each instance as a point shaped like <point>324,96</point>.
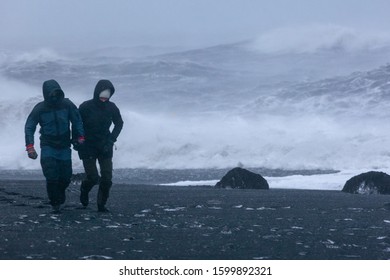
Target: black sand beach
<point>169,222</point>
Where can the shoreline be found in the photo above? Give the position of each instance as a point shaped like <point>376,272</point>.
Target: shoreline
<point>122,174</point>
<point>277,178</point>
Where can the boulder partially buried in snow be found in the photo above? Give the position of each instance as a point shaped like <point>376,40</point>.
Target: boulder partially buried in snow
<point>239,178</point>
<point>372,182</point>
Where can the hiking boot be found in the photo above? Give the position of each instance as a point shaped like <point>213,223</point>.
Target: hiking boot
<point>84,198</point>
<point>62,197</point>
<point>56,209</point>
<point>61,193</point>
<point>103,209</point>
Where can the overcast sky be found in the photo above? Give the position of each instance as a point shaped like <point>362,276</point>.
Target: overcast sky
<point>91,24</point>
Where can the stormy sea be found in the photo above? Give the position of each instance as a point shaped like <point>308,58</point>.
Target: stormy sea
<point>306,116</point>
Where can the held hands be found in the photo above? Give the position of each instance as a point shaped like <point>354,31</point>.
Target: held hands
<point>31,153</point>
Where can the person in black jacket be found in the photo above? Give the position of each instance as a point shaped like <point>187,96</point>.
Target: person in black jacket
<point>98,114</point>
<point>54,116</point>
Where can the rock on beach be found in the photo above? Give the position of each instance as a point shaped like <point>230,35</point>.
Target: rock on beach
<point>372,182</point>
<point>240,178</point>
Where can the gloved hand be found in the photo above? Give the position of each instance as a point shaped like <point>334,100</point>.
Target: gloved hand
<point>107,149</point>
<point>78,143</point>
<point>81,140</point>
<point>31,153</point>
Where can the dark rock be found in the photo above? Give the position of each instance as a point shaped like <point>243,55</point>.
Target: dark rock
<point>239,178</point>
<point>372,182</point>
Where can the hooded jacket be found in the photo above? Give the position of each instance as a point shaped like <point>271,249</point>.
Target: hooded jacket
<point>54,115</point>
<point>98,117</point>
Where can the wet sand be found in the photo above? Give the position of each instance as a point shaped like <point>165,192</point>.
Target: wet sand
<point>170,222</point>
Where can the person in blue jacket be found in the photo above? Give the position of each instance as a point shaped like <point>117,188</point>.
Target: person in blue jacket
<point>54,115</point>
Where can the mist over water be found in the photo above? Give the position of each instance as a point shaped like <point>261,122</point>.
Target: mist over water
<point>196,109</point>
<point>317,37</point>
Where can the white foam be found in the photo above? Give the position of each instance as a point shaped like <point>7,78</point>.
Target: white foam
<point>334,181</point>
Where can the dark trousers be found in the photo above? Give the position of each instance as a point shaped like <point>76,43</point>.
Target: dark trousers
<point>105,180</point>
<point>57,173</point>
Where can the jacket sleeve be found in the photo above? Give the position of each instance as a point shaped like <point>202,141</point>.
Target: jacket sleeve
<point>82,111</point>
<point>77,123</point>
<point>118,124</point>
<point>31,125</point>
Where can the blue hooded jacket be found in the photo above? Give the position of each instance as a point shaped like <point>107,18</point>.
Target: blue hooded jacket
<point>54,116</point>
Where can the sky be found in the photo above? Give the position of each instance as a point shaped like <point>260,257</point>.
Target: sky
<point>92,24</point>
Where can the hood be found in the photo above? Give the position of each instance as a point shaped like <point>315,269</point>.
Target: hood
<point>50,86</point>
<point>103,85</point>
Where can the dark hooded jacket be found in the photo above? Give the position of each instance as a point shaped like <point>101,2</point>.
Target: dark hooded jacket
<point>98,117</point>
<point>54,116</point>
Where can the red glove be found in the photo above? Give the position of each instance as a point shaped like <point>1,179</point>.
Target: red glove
<point>31,151</point>
<point>81,140</point>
